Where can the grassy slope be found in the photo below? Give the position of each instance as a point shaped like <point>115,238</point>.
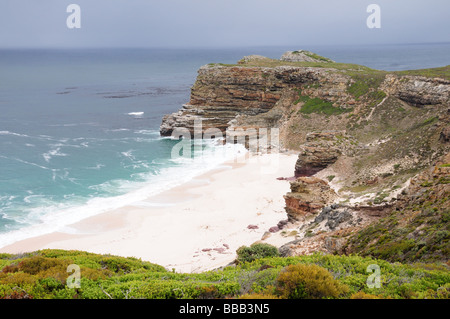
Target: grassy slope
<point>442,72</point>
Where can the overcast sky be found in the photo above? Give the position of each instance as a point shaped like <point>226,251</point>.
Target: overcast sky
<point>206,23</point>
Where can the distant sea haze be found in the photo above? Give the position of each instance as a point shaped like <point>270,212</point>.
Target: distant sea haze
<point>79,129</point>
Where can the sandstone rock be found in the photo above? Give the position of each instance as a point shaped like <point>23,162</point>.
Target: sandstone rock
<point>308,196</point>
<point>253,57</point>
<point>274,229</point>
<point>317,153</point>
<point>221,94</point>
<point>282,223</point>
<point>418,90</point>
<point>303,56</point>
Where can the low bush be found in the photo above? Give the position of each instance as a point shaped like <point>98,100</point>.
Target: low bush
<point>316,105</point>
<point>256,251</point>
<point>309,282</point>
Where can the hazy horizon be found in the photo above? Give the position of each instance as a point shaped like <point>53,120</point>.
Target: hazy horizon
<point>291,46</point>
<point>220,24</point>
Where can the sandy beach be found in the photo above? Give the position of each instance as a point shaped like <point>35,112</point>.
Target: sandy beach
<point>193,227</point>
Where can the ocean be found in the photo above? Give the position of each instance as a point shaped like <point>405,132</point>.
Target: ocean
<point>79,128</point>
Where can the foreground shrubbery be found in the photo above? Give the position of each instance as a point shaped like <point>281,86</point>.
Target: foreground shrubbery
<point>256,251</point>
<point>309,282</point>
<point>43,275</point>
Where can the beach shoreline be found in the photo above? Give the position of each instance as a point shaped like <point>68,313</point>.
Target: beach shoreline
<point>193,227</point>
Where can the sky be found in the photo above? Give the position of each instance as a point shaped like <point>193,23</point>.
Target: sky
<point>220,23</point>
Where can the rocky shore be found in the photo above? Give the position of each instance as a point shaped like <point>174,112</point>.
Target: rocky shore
<point>362,136</point>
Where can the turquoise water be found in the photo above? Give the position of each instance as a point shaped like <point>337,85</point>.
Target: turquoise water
<point>79,129</point>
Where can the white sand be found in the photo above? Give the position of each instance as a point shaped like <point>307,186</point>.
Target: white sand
<point>198,225</point>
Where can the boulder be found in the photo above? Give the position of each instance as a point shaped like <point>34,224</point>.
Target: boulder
<point>334,216</point>
<point>308,196</point>
<point>317,153</point>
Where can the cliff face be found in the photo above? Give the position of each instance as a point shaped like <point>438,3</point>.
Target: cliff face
<point>222,93</point>
<point>417,90</point>
<point>261,92</point>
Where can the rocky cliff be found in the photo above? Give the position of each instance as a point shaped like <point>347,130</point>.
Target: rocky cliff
<point>223,93</point>
<point>363,126</point>
<point>362,134</point>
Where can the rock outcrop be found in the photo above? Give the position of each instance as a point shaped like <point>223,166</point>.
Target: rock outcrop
<point>303,56</point>
<point>223,93</point>
<point>333,216</point>
<point>433,183</point>
<point>418,90</point>
<point>318,152</point>
<point>253,58</point>
<point>308,196</point>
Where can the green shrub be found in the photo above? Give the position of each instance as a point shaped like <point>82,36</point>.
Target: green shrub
<point>358,88</point>
<point>313,276</point>
<point>378,96</point>
<point>309,282</point>
<point>38,264</point>
<point>51,284</point>
<point>256,251</point>
<point>316,105</point>
<point>18,278</point>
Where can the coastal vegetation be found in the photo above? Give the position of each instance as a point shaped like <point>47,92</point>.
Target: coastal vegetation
<point>255,251</point>
<point>441,72</point>
<point>419,232</point>
<point>43,274</point>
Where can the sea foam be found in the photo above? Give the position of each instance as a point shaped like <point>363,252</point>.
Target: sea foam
<point>50,216</point>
